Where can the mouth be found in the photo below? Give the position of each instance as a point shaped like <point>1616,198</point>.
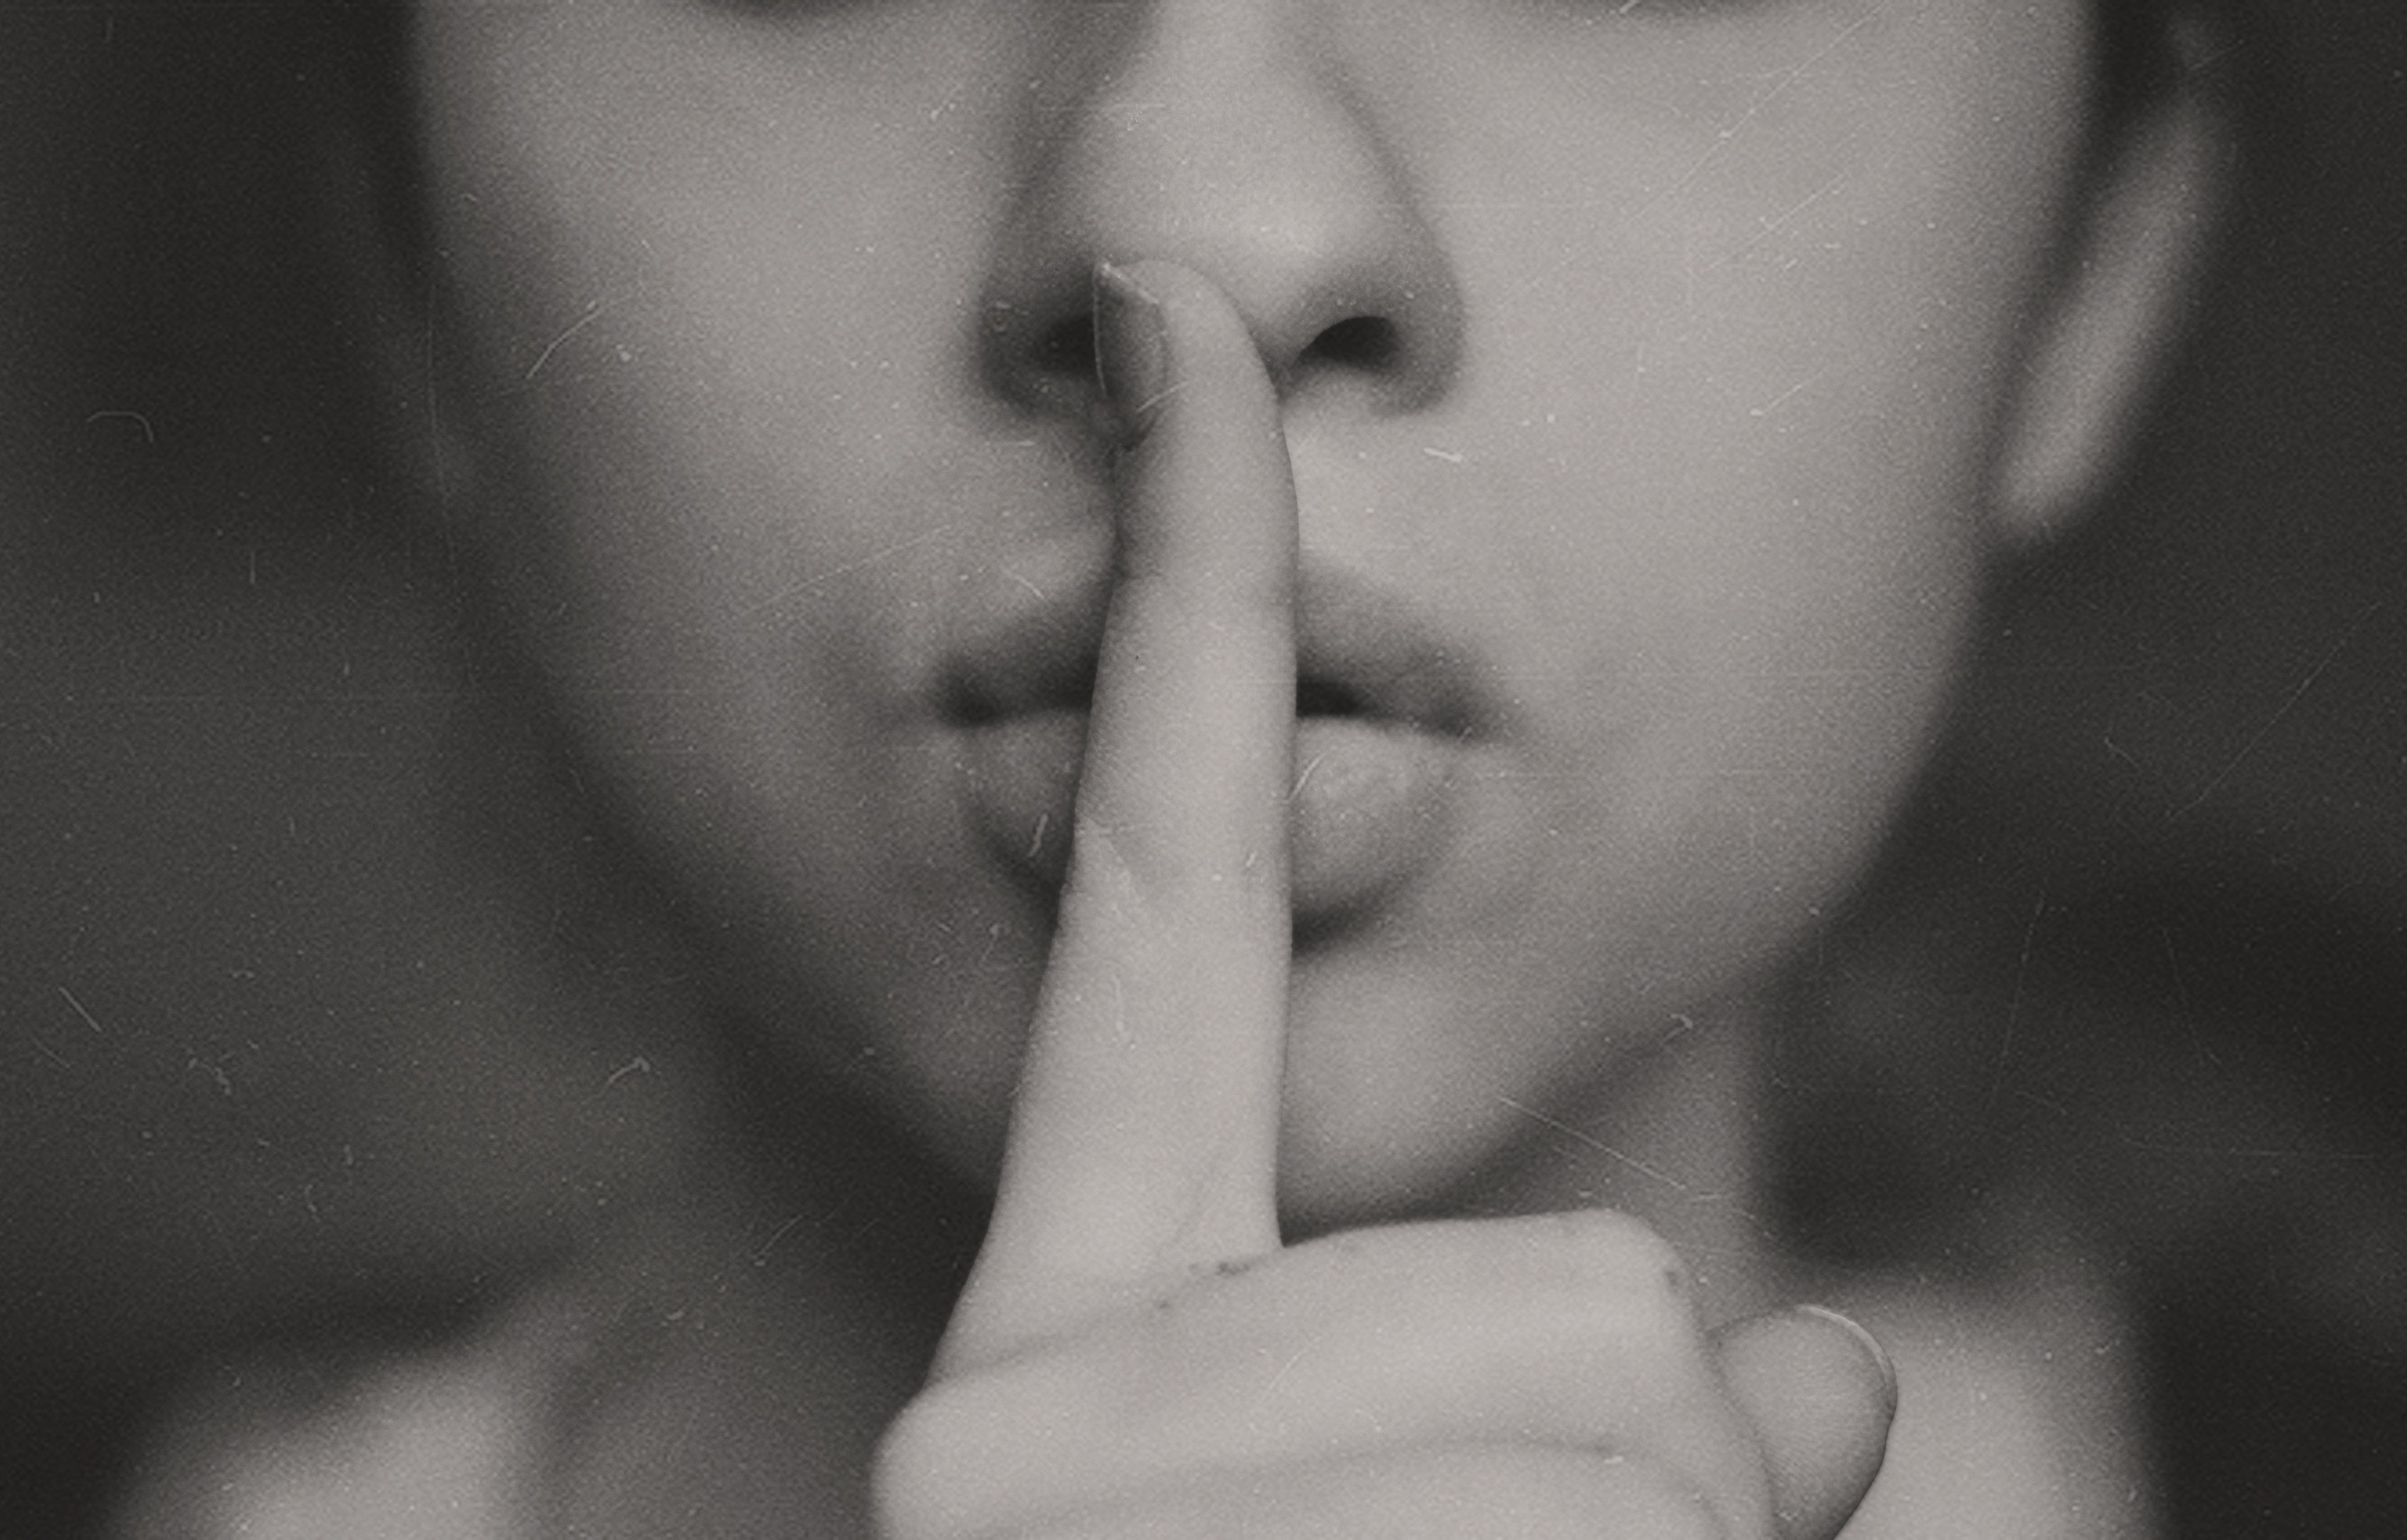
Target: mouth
<point>1387,713</point>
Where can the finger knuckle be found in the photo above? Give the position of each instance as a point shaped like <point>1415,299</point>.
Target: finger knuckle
<point>1621,1249</point>
<point>1613,1273</point>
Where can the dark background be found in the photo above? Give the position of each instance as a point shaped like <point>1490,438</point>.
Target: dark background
<point>284,1034</point>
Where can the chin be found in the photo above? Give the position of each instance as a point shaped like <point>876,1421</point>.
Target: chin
<point>1403,1098</point>
<point>1344,1174</point>
<point>1350,1160</point>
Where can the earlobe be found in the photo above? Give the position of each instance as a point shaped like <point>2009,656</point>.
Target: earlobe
<point>2115,303</point>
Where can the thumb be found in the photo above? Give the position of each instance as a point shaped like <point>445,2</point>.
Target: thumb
<point>1819,1393</point>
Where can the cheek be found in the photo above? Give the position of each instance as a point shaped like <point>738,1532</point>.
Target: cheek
<point>1731,389</point>
<point>688,401</point>
<point>1752,610</point>
<point>1750,360</point>
<point>721,516</point>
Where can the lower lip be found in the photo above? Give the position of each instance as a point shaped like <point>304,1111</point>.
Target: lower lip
<point>1372,809</point>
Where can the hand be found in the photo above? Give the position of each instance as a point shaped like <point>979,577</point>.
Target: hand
<point>1135,1353</point>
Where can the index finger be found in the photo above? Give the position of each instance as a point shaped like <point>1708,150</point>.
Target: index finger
<point>1144,1139</point>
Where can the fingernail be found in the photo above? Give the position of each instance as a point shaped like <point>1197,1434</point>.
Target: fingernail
<point>1131,352</point>
<point>1871,1345</point>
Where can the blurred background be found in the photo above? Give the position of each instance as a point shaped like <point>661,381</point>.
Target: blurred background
<point>288,1033</point>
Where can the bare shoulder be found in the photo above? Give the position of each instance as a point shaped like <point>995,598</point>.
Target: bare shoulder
<point>685,1380</point>
<point>2019,1409</point>
<point>286,1448</point>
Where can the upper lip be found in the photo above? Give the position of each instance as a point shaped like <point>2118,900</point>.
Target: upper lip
<point>1361,651</point>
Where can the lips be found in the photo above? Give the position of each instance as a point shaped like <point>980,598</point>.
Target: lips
<point>1386,715</point>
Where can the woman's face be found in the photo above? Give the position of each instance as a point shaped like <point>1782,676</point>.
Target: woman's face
<point>1641,361</point>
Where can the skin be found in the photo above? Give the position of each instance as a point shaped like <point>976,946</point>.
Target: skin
<point>748,307</point>
<point>1104,1370</point>
<point>1625,386</point>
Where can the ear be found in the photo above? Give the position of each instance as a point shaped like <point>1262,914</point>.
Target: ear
<point>2117,297</point>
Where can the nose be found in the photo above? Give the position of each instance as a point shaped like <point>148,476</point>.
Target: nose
<point>1225,135</point>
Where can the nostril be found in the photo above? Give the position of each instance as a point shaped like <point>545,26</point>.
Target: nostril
<point>1049,364</point>
<point>1367,344</point>
<point>1325,698</point>
<point>1066,349</point>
